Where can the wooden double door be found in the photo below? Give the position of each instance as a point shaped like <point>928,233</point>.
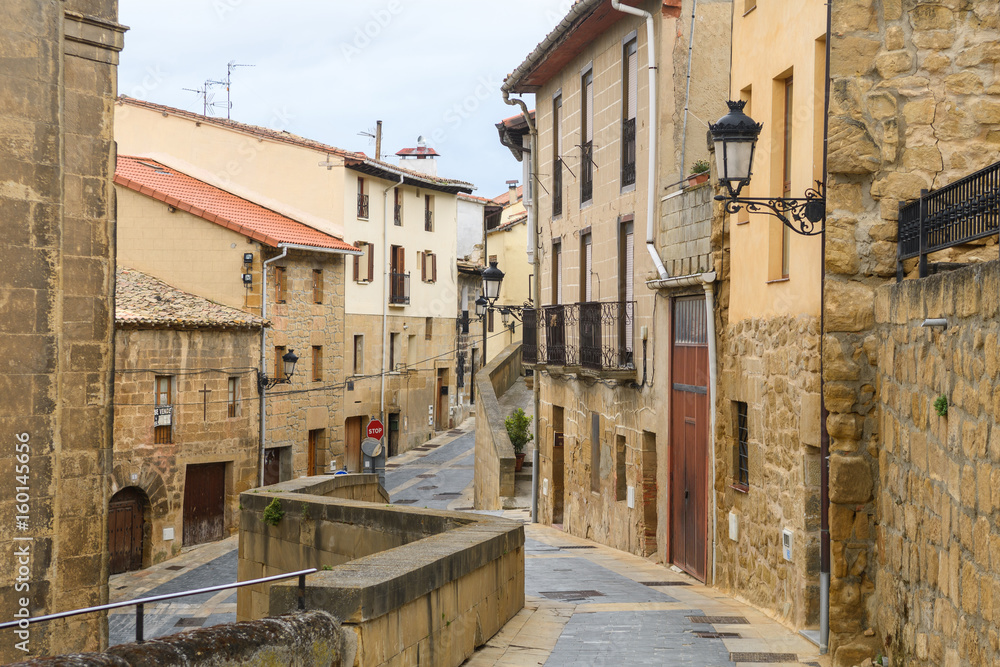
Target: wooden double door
<point>689,426</point>
<point>125,530</point>
<point>204,503</point>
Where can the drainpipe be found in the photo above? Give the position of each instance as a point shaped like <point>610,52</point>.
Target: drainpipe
<point>713,377</point>
<point>536,288</point>
<point>651,185</point>
<point>687,93</point>
<point>262,390</point>
<point>824,436</point>
<point>385,296</point>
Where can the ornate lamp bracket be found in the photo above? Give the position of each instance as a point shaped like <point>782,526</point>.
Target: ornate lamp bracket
<point>806,213</point>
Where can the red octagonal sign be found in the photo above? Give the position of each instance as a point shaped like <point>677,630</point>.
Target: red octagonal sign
<point>375,429</point>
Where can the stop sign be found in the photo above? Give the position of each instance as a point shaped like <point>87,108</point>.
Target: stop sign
<point>375,429</point>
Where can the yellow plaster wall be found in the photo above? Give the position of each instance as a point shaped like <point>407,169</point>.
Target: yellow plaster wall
<point>791,31</point>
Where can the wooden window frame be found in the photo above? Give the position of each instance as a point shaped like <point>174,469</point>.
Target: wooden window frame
<point>368,251</point>
<point>232,396</point>
<point>164,435</point>
<point>317,285</point>
<point>317,363</point>
<point>280,284</point>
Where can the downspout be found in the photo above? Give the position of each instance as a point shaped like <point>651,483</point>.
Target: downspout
<point>713,376</point>
<point>385,296</point>
<point>536,288</point>
<point>687,99</point>
<point>262,390</point>
<point>653,118</point>
<point>824,436</point>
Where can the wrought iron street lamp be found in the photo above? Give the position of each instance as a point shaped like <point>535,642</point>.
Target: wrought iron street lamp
<point>735,137</point>
<point>288,360</point>
<point>492,278</point>
<point>481,306</point>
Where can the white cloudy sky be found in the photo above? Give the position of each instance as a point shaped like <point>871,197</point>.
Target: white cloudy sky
<point>327,69</point>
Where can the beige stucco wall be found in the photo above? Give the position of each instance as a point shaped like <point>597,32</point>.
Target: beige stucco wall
<point>509,246</point>
<point>794,34</point>
<point>159,470</point>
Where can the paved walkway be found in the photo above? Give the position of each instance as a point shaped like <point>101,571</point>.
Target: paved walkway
<point>585,604</point>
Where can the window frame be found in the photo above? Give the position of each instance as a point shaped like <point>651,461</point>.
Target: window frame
<point>232,397</point>
<point>164,435</point>
<point>741,447</point>
<point>317,286</point>
<point>280,284</point>
<point>317,363</point>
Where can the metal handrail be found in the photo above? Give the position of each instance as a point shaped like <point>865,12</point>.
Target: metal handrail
<point>301,574</point>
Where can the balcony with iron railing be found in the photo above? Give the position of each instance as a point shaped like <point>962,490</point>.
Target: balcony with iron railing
<point>363,207</point>
<point>594,337</point>
<point>958,213</point>
<point>399,289</point>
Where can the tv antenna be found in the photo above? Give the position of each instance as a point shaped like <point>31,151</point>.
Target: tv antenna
<point>375,134</point>
<point>230,66</point>
<point>208,103</point>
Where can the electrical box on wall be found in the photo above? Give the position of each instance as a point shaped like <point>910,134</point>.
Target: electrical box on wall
<point>168,534</point>
<point>786,543</point>
<point>734,526</point>
<point>545,486</point>
<point>630,497</point>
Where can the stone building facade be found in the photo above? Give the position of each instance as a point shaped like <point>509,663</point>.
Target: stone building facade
<point>56,304</point>
<point>603,423</point>
<point>914,105</point>
<point>209,242</point>
<point>203,356</point>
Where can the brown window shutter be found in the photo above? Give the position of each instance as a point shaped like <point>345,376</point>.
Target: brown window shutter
<point>423,266</point>
<point>371,264</point>
<point>357,262</point>
<point>434,268</point>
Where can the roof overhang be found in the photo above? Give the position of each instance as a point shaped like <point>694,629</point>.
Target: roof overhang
<point>388,173</point>
<point>512,131</point>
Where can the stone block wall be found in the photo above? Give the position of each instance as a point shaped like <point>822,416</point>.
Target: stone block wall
<point>773,366</point>
<point>56,315</point>
<point>493,482</point>
<point>914,105</point>
<point>937,593</point>
<point>685,238</point>
<point>203,431</point>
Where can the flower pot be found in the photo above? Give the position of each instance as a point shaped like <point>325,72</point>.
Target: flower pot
<point>518,461</point>
<point>697,179</point>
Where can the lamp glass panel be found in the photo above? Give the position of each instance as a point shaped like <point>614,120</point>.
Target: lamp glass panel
<point>739,155</point>
<point>491,288</point>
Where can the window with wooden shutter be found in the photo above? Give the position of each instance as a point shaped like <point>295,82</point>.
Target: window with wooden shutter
<point>370,253</point>
<point>423,266</point>
<point>280,284</point>
<point>231,396</point>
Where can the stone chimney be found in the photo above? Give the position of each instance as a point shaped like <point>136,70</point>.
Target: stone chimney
<point>512,188</point>
<point>421,158</point>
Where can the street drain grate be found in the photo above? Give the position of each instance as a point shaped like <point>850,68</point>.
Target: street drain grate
<point>190,622</point>
<point>405,501</point>
<point>718,635</point>
<point>572,596</point>
<point>664,583</point>
<point>175,567</point>
<point>719,620</point>
<point>763,657</point>
<point>577,547</point>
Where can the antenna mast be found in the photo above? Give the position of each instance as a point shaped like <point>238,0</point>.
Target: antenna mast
<point>230,66</point>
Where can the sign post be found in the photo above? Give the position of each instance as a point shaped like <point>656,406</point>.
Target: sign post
<point>375,429</point>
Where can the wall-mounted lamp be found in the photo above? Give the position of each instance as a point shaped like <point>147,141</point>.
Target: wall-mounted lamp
<point>288,359</point>
<point>735,137</point>
<point>248,258</point>
<point>248,279</point>
<point>935,322</point>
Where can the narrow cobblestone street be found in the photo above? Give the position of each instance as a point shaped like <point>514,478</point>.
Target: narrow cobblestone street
<point>586,604</point>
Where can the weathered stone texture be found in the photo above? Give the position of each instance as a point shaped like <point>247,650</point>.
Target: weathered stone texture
<point>938,547</point>
<point>56,291</point>
<point>773,366</point>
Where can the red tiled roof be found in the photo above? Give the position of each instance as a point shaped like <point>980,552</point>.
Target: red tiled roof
<point>421,150</point>
<point>206,201</point>
<point>141,299</point>
<point>504,199</point>
<point>520,217</point>
<point>351,159</point>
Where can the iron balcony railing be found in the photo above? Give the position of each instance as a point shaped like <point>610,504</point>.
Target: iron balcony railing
<point>140,603</point>
<point>363,206</point>
<point>628,152</point>
<point>399,289</point>
<point>428,221</point>
<point>593,335</point>
<point>557,187</point>
<point>587,172</point>
<point>397,216</point>
<point>958,213</point>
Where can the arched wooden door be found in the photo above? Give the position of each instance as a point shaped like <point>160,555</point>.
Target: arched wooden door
<point>125,523</point>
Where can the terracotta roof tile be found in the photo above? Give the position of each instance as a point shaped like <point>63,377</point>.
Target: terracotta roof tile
<point>142,299</point>
<point>504,199</point>
<point>215,205</point>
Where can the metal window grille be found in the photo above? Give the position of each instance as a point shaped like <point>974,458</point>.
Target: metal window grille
<point>742,445</point>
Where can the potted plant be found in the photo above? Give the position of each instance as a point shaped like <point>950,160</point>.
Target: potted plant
<point>699,173</point>
<point>517,430</point>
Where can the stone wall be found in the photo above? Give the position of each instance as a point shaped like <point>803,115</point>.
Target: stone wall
<point>773,366</point>
<point>56,315</point>
<point>414,586</point>
<point>913,105</point>
<point>302,639</point>
<point>937,594</point>
<point>493,482</point>
<point>203,430</point>
<point>685,234</point>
